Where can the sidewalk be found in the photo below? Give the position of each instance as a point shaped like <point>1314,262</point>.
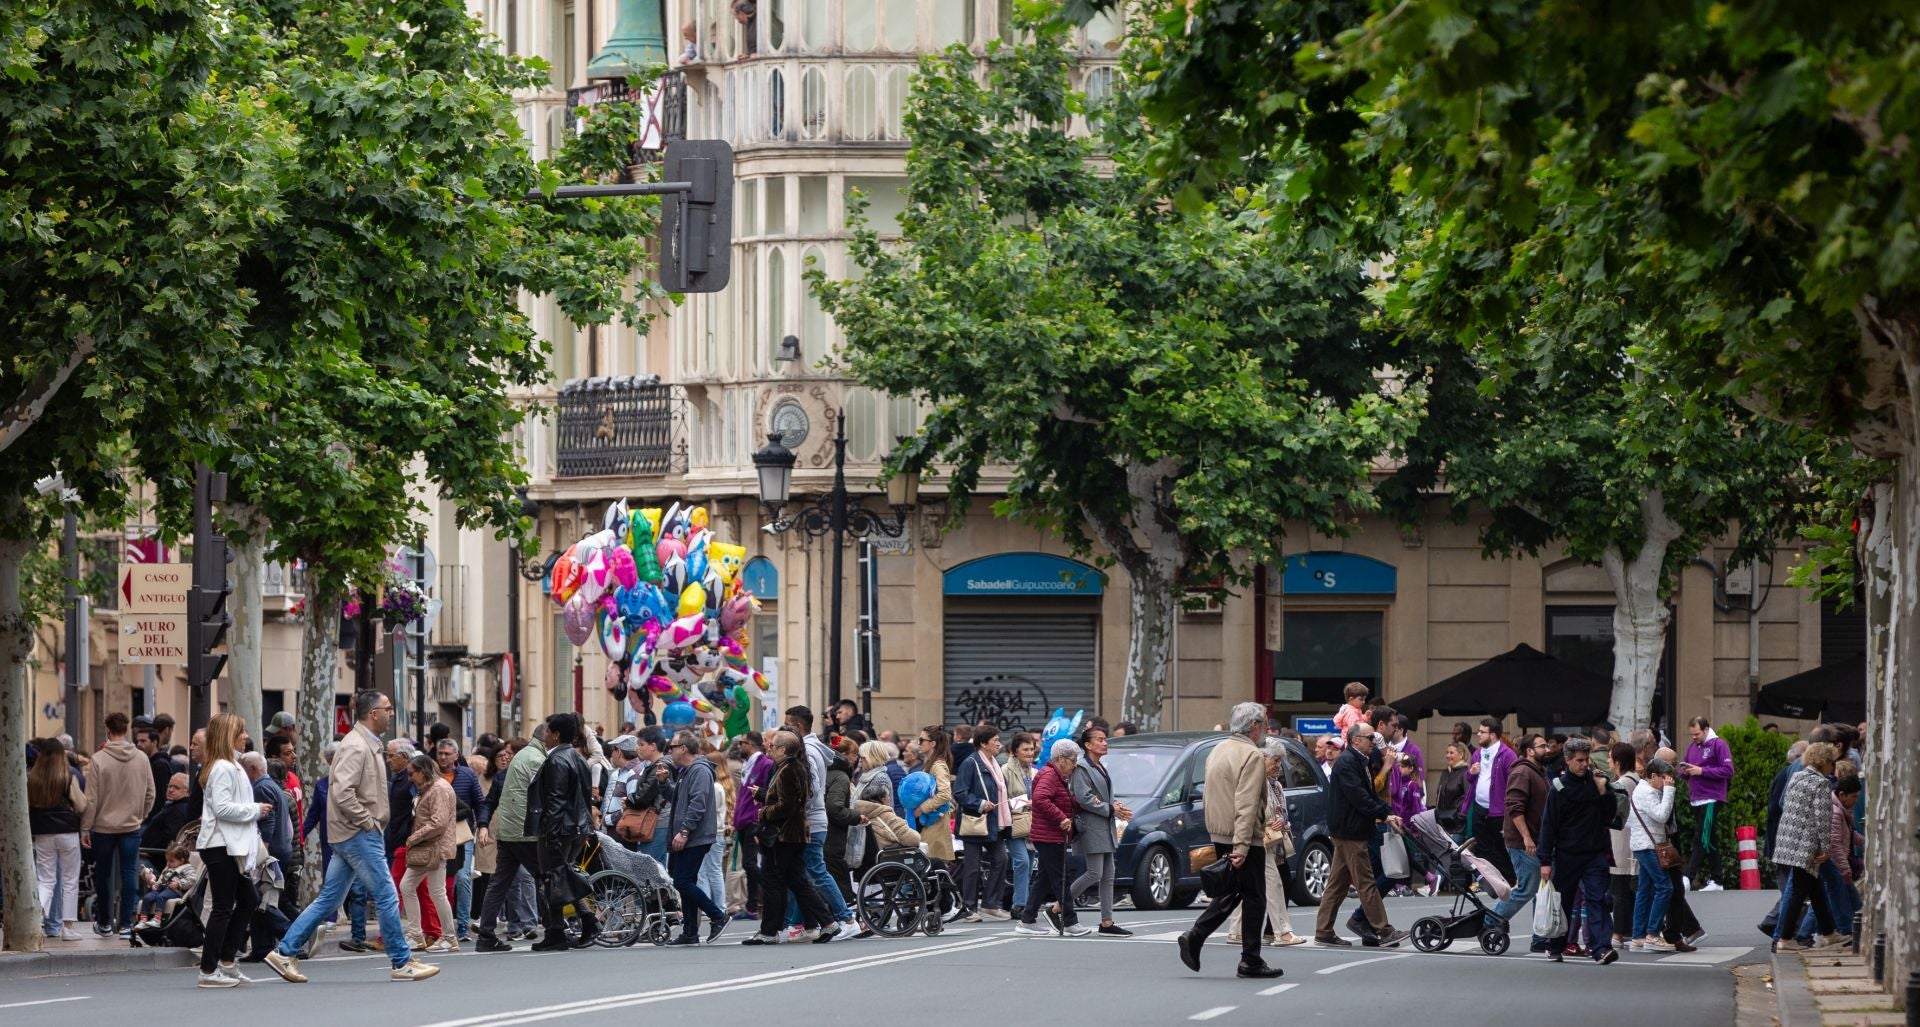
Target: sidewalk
<point>1831,988</point>
<point>94,955</point>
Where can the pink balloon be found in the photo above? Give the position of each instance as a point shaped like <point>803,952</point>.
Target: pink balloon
<point>685,631</point>
<point>736,611</point>
<point>620,561</point>
<point>661,685</point>
<point>670,548</point>
<point>578,619</point>
<point>613,676</point>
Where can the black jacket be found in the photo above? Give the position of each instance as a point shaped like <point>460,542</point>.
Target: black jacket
<point>783,807</point>
<point>560,801</point>
<point>839,802</point>
<point>163,827</point>
<point>1577,819</point>
<point>162,766</point>
<point>1776,798</point>
<point>1353,807</point>
<point>399,811</point>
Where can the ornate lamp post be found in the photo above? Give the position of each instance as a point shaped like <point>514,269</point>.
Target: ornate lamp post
<point>834,513</point>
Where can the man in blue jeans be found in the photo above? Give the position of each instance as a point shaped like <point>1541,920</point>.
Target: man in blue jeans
<point>356,822</point>
<point>1526,804</point>
<point>800,722</point>
<point>121,797</point>
<point>1574,848</point>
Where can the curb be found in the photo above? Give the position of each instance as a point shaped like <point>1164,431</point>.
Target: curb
<point>20,966</point>
<point>1793,1003</point>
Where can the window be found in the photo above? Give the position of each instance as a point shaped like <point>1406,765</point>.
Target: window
<point>1583,637</point>
<point>814,27</point>
<point>902,22</point>
<point>776,295</point>
<point>860,433</point>
<point>813,318</point>
<point>902,418</point>
<point>1103,33</point>
<point>1296,772</point>
<point>776,207</point>
<point>746,211</point>
<point>1003,17</point>
<point>859,22</point>
<point>896,102</point>
<point>776,23</point>
<point>863,108</point>
<point>886,200</point>
<point>513,27</point>
<point>1325,650</point>
<point>1099,90</point>
<point>776,105</point>
<point>561,46</point>
<point>813,103</point>
<point>952,23</point>
<point>813,205</point>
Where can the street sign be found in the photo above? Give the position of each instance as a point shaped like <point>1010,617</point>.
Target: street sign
<point>1315,726</point>
<point>154,587</point>
<point>884,546</point>
<point>159,638</point>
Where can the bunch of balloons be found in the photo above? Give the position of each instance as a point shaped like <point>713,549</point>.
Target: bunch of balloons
<point>667,600</point>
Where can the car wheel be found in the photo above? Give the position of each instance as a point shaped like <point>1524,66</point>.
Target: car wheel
<point>1316,866</point>
<point>1153,879</point>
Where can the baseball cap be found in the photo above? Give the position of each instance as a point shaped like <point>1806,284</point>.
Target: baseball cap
<point>281,721</point>
<point>627,744</point>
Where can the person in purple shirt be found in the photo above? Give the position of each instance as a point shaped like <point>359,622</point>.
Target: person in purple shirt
<point>1708,770</point>
<point>1406,785</point>
<point>1484,805</point>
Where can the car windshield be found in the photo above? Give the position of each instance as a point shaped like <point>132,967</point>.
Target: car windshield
<point>1139,771</point>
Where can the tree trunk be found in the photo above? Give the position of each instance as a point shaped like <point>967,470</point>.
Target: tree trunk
<point>1894,717</point>
<point>319,670</point>
<point>1640,615</point>
<point>1154,609</point>
<point>22,927</point>
<point>243,665</point>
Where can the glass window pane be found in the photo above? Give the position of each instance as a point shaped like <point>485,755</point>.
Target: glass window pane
<point>862,106</point>
<point>776,23</point>
<point>813,319</point>
<point>952,23</point>
<point>1328,648</point>
<point>1003,15</point>
<point>776,295</point>
<point>746,209</point>
<point>860,23</point>
<point>776,105</point>
<point>813,205</point>
<point>813,104</point>
<point>886,200</point>
<point>815,29</point>
<point>902,416</point>
<point>902,25</point>
<point>1103,33</point>
<point>896,101</point>
<point>776,189</point>
<point>860,434</point>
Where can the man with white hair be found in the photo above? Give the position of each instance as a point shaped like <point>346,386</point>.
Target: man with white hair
<point>1236,818</point>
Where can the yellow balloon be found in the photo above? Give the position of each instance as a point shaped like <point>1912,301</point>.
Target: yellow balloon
<point>728,557</point>
<point>693,599</point>
<point>697,517</point>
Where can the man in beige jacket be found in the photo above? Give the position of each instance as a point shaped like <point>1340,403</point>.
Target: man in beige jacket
<point>1236,803</point>
<point>122,794</point>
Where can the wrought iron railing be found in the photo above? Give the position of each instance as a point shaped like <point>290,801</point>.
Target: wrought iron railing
<point>667,109</point>
<point>626,425</point>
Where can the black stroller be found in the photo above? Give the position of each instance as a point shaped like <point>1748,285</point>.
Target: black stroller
<point>1461,867</point>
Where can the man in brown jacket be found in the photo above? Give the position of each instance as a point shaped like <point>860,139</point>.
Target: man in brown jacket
<point>122,794</point>
<point>1526,804</point>
<point>356,822</point>
<point>1236,804</point>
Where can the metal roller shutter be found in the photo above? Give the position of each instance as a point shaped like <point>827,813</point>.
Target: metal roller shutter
<point>1013,670</point>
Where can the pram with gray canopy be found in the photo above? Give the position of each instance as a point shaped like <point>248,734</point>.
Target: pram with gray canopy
<point>1460,866</point>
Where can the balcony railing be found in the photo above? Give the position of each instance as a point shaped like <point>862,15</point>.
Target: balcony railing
<point>615,426</point>
<point>666,109</point>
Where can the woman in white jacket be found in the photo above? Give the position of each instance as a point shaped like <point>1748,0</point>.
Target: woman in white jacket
<point>229,843</point>
<point>1646,829</point>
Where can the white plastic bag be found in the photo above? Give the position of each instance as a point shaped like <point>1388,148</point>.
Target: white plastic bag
<point>1549,919</point>
<point>1393,857</point>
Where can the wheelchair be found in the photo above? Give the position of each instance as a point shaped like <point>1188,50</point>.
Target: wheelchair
<point>628,893</point>
<point>906,891</point>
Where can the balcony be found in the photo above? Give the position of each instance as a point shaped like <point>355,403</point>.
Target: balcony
<point>620,426</point>
<point>666,109</point>
<point>281,586</point>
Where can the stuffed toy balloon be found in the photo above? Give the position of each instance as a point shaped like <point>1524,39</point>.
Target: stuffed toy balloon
<point>677,715</point>
<point>616,519</point>
<point>661,686</point>
<point>673,577</point>
<point>713,586</point>
<point>658,606</point>
<point>693,599</point>
<point>613,638</point>
<point>593,581</point>
<point>697,517</point>
<point>637,699</point>
<point>616,682</point>
<point>728,557</point>
<point>651,515</point>
<point>620,562</point>
<point>636,676</point>
<point>577,619</point>
<point>566,578</point>
<point>684,632</point>
<point>1057,728</point>
<point>669,550</point>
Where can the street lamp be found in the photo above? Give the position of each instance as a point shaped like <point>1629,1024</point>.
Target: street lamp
<point>834,513</point>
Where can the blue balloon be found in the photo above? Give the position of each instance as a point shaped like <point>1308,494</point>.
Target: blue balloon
<point>677,715</point>
<point>1059,727</point>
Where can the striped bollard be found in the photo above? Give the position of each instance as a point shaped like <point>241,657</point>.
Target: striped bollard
<point>1749,850</point>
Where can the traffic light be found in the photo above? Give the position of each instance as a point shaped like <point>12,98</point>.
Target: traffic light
<point>207,616</point>
<point>696,229</point>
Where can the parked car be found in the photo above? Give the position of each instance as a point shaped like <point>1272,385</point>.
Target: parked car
<point>1161,777</point>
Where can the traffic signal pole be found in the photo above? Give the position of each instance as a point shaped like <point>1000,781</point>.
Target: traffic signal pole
<point>207,616</point>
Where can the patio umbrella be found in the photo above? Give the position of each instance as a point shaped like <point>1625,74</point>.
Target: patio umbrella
<point>1540,690</point>
<point>1831,691</point>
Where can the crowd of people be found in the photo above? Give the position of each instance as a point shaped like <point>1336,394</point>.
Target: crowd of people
<point>774,829</point>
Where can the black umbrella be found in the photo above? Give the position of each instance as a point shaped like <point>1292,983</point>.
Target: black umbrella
<point>1541,690</point>
<point>1831,691</point>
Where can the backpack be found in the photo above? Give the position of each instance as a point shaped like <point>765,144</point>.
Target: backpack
<point>1622,807</point>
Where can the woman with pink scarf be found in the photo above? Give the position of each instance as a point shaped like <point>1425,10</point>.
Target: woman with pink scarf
<point>986,825</point>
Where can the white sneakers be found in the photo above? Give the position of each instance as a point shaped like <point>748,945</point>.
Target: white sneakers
<point>1712,886</point>
<point>286,966</point>
<point>995,914</point>
<point>443,944</point>
<point>415,970</point>
<point>216,979</point>
<point>1077,931</point>
<point>1032,930</point>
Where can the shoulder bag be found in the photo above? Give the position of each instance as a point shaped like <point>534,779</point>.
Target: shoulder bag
<point>636,826</point>
<point>973,825</point>
<point>1667,852</point>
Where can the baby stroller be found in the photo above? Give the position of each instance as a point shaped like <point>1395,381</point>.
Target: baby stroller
<point>1461,866</point>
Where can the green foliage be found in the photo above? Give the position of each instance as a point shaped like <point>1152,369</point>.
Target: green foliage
<point>1145,372</point>
<point>1828,515</point>
<point>1758,754</point>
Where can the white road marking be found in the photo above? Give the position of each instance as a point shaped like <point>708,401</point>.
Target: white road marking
<point>1337,967</point>
<point>46,1001</point>
<point>550,1012</point>
<point>1209,1014</point>
<point>1279,989</point>
<point>1708,956</point>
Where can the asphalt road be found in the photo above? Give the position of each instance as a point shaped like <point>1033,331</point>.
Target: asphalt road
<point>969,969</point>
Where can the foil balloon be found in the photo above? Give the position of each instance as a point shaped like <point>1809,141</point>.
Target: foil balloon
<point>578,619</point>
<point>613,638</point>
<point>736,612</point>
<point>727,558</point>
<point>693,599</point>
<point>697,516</point>
<point>637,700</point>
<point>616,682</point>
<point>594,583</point>
<point>651,515</point>
<point>670,549</point>
<point>673,576</point>
<point>697,565</point>
<point>636,677</point>
<point>566,578</point>
<point>661,686</point>
<point>677,715</point>
<point>616,519</point>
<point>620,562</point>
<point>713,587</point>
<point>1058,727</point>
<point>684,632</point>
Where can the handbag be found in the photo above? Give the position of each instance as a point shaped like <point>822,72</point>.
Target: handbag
<point>420,855</point>
<point>462,834</point>
<point>636,826</point>
<point>972,826</point>
<point>1022,822</point>
<point>1665,851</point>
<point>1217,879</point>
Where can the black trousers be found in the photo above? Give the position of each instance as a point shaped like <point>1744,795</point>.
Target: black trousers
<point>991,851</point>
<point>786,871</point>
<point>1680,919</point>
<point>1622,886</point>
<point>835,857</point>
<point>1802,888</point>
<point>1251,899</point>
<point>508,859</point>
<point>1049,882</point>
<point>229,911</point>
<point>555,855</point>
<point>1489,839</point>
<point>750,863</point>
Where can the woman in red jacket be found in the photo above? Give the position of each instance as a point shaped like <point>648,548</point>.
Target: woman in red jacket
<point>1053,810</point>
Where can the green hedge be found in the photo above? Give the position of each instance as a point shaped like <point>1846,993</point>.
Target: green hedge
<point>1758,754</point>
